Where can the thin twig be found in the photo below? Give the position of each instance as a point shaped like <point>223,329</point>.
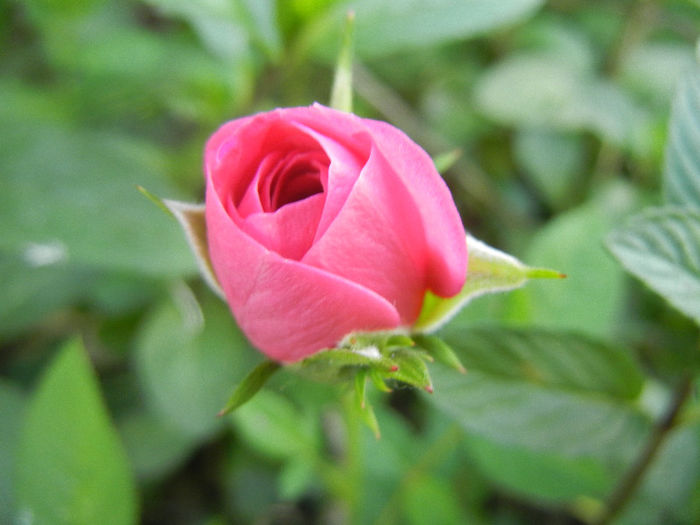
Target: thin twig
<point>631,480</point>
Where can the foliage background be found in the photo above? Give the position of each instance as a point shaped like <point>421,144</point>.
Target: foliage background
<point>114,356</point>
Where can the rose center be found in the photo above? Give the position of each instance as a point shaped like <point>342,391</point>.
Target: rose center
<point>292,183</point>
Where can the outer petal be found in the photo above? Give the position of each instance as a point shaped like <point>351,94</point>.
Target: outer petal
<point>377,240</point>
<point>287,309</point>
<point>446,249</point>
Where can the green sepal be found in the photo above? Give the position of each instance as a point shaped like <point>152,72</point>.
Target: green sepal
<point>341,92</point>
<point>343,357</point>
<point>377,379</point>
<point>440,350</point>
<point>489,271</point>
<point>412,369</point>
<point>250,386</point>
<point>363,405</point>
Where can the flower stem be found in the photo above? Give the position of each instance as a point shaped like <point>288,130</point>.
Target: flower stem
<point>631,480</point>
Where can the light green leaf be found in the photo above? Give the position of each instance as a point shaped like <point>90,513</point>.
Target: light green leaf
<point>682,169</point>
<point>489,271</point>
<point>545,392</point>
<point>71,467</point>
<point>391,26</point>
<point>661,247</point>
<point>188,369</point>
<point>429,501</point>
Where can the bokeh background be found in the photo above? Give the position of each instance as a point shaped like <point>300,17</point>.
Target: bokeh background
<point>114,357</point>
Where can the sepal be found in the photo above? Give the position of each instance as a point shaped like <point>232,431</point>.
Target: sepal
<point>490,271</point>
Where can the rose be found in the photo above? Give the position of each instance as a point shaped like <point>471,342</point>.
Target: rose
<point>321,223</point>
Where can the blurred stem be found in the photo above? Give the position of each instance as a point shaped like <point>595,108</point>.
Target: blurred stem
<point>432,456</point>
<point>631,480</point>
<point>352,459</point>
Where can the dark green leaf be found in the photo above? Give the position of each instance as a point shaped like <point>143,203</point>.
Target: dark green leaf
<point>543,391</point>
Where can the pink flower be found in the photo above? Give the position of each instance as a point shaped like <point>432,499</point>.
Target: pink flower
<point>321,223</point>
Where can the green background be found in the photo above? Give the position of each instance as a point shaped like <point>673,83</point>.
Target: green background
<point>579,127</point>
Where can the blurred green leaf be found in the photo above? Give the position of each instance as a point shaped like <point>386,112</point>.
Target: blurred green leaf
<point>669,483</point>
<point>71,196</point>
<point>654,69</point>
<point>590,298</point>
<point>188,361</point>
<point>552,92</point>
<point>682,170</point>
<point>391,26</point>
<point>250,386</point>
<point>431,501</point>
<point>12,408</point>
<point>546,392</point>
<point>553,160</point>
<point>273,426</point>
<point>542,475</point>
<point>154,447</point>
<point>71,467</point>
<point>661,247</point>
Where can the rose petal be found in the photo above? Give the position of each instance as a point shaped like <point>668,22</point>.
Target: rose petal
<point>288,310</point>
<point>447,249</point>
<point>289,231</point>
<point>377,239</point>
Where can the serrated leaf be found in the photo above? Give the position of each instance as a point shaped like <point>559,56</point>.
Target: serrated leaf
<point>543,391</point>
<point>71,467</point>
<point>489,271</point>
<point>661,247</point>
<point>682,168</point>
<point>250,386</point>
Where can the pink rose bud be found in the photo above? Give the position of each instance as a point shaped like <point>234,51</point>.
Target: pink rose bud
<point>321,223</point>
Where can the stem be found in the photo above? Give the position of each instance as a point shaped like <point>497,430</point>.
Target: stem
<point>431,457</point>
<point>631,480</point>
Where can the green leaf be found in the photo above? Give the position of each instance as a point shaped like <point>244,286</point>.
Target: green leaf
<point>250,386</point>
<point>71,467</point>
<point>592,296</point>
<point>682,169</point>
<point>188,361</point>
<point>543,391</point>
<point>543,475</point>
<point>555,93</point>
<point>390,26</point>
<point>275,427</point>
<point>341,92</point>
<point>661,247</point>
<point>489,271</point>
<point>552,159</point>
<point>12,408</point>
<point>91,213</point>
<point>154,448</point>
